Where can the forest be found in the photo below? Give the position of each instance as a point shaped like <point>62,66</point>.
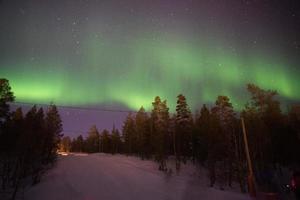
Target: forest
<point>211,138</point>
<point>28,143</point>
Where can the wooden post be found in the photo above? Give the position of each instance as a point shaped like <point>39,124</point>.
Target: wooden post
<point>251,185</point>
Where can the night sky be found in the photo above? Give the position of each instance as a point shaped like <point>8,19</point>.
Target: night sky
<point>119,55</point>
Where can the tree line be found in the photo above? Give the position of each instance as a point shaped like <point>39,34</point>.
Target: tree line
<point>211,138</point>
<point>106,142</point>
<point>28,143</point>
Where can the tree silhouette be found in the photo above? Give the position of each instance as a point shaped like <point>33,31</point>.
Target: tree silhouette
<point>183,131</point>
<point>159,131</point>
<point>6,96</point>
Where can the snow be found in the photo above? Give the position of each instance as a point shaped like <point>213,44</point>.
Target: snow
<point>103,176</point>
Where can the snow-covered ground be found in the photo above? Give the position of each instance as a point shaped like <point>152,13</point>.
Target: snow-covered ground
<point>107,177</point>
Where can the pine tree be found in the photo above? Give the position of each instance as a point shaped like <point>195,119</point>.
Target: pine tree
<point>38,143</point>
<point>160,129</point>
<point>54,129</point>
<point>129,134</point>
<point>6,96</point>
<point>78,144</point>
<point>105,142</point>
<point>116,141</point>
<point>224,116</point>
<point>93,140</point>
<point>272,139</point>
<point>143,133</point>
<point>267,108</point>
<point>202,131</point>
<point>183,131</point>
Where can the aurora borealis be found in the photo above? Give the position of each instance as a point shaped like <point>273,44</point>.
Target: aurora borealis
<point>121,54</point>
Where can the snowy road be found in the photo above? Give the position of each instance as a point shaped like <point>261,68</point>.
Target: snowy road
<point>100,176</point>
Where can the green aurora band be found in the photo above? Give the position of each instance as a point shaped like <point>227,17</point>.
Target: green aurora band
<point>133,72</point>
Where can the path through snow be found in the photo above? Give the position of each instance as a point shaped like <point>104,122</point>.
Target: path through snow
<point>107,177</point>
